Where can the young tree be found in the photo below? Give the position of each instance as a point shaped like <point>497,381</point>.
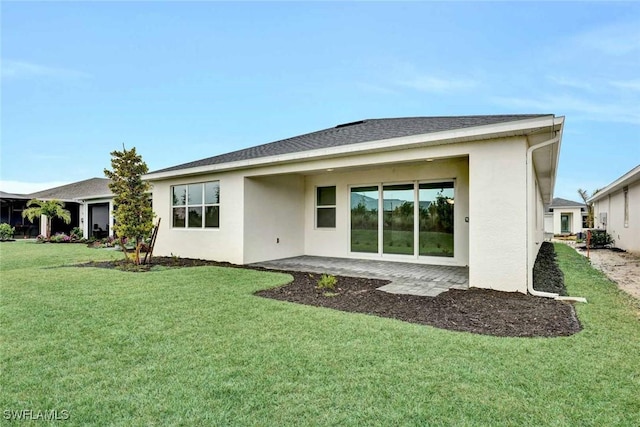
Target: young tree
<point>133,214</point>
<point>50,208</point>
<point>585,196</point>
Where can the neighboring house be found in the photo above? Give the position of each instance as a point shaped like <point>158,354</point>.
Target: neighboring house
<point>473,190</point>
<point>90,203</point>
<point>11,207</point>
<point>616,209</point>
<point>565,217</point>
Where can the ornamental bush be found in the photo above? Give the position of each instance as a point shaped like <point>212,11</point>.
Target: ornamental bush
<point>600,239</point>
<point>133,213</point>
<point>76,233</point>
<point>6,231</point>
<point>327,282</point>
<point>60,238</point>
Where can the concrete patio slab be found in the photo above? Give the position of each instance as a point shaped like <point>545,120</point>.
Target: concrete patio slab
<point>406,278</point>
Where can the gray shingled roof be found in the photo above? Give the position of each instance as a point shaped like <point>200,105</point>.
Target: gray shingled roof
<point>356,132</point>
<point>77,190</point>
<point>564,203</point>
<point>5,195</point>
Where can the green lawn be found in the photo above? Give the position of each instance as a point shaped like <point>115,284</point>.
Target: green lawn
<point>193,346</point>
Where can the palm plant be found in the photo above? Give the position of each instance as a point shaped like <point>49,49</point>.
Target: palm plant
<point>585,197</point>
<point>49,208</point>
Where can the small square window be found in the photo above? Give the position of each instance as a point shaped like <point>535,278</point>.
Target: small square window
<point>195,217</point>
<point>326,196</point>
<point>179,195</point>
<point>179,215</point>
<point>326,217</point>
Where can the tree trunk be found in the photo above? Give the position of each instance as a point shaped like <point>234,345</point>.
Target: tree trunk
<point>48,231</point>
<point>124,250</point>
<point>138,244</point>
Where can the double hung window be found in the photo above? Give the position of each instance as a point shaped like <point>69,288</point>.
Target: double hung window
<point>326,207</point>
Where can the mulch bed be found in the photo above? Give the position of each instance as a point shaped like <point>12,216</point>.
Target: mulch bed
<point>478,311</point>
<point>547,276</point>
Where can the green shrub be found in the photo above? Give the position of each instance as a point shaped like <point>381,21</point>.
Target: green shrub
<point>327,282</point>
<point>76,233</point>
<point>6,231</point>
<point>600,238</point>
<point>60,238</point>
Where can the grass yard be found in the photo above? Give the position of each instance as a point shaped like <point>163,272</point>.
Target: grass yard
<point>193,346</point>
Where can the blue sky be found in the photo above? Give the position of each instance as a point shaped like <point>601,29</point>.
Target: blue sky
<point>182,81</point>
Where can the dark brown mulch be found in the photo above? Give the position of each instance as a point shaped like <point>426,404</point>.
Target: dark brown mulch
<point>547,276</point>
<point>478,311</point>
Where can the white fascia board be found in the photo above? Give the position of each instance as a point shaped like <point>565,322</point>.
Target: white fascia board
<point>626,179</point>
<point>100,196</point>
<point>55,198</point>
<point>436,138</point>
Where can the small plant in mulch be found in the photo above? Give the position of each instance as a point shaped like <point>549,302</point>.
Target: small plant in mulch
<point>6,232</point>
<point>107,242</point>
<point>175,259</point>
<point>327,282</point>
<point>327,285</point>
<point>60,238</point>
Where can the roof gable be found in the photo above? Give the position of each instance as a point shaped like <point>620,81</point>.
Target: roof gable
<point>353,133</point>
<point>557,202</point>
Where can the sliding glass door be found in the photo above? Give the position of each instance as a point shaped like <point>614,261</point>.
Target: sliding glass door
<point>397,230</point>
<point>364,219</point>
<point>403,219</point>
<point>436,219</point>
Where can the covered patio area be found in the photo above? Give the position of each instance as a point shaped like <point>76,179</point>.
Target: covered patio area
<point>406,278</point>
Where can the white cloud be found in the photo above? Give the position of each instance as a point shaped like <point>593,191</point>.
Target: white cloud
<point>425,83</point>
<point>21,69</point>
<point>615,39</point>
<point>627,84</point>
<point>571,82</point>
<point>564,104</point>
<point>21,187</point>
<point>377,89</point>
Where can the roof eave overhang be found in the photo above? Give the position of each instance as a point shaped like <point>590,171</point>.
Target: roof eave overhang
<point>626,179</point>
<point>96,197</point>
<point>547,158</point>
<point>478,133</point>
<point>55,198</point>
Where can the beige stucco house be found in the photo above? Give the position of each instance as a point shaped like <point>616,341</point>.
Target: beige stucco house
<point>464,191</point>
<point>565,217</point>
<point>616,208</point>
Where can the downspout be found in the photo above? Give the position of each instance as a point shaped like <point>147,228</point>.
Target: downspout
<point>530,180</point>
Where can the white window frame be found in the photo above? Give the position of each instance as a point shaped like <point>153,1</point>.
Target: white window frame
<point>416,225</point>
<point>334,207</point>
<point>202,205</point>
